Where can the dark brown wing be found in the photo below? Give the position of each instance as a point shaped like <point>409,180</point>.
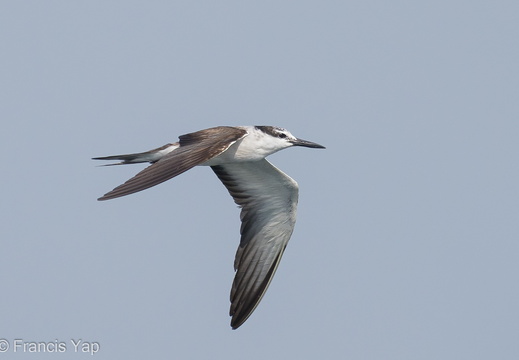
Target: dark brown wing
<point>195,149</point>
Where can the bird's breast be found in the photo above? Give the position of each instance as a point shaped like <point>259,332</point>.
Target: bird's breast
<point>242,150</point>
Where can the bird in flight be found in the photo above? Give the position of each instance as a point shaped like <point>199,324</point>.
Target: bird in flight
<point>266,195</point>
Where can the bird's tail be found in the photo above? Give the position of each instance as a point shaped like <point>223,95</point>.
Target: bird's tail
<point>143,157</point>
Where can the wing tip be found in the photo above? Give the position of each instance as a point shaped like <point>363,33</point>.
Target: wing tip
<point>239,321</point>
<point>111,195</point>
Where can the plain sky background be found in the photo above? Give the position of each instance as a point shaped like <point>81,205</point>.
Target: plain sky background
<point>407,241</point>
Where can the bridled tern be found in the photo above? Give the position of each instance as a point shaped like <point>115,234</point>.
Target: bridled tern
<point>266,195</point>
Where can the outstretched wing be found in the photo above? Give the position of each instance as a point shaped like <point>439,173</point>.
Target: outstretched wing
<point>195,149</point>
<point>268,199</point>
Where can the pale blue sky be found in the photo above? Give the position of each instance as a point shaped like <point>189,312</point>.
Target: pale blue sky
<point>406,245</point>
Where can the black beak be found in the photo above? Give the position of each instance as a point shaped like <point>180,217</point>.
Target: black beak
<point>305,143</point>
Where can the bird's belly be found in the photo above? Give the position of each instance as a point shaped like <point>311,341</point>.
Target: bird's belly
<point>237,152</point>
<point>226,158</point>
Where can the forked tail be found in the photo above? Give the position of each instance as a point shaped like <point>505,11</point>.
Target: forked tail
<point>143,157</point>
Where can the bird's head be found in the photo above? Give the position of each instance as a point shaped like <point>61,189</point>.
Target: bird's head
<point>278,138</point>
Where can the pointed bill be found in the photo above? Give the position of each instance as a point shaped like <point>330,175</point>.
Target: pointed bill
<point>306,143</point>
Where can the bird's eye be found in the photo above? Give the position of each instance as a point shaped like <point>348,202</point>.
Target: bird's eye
<point>282,136</point>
